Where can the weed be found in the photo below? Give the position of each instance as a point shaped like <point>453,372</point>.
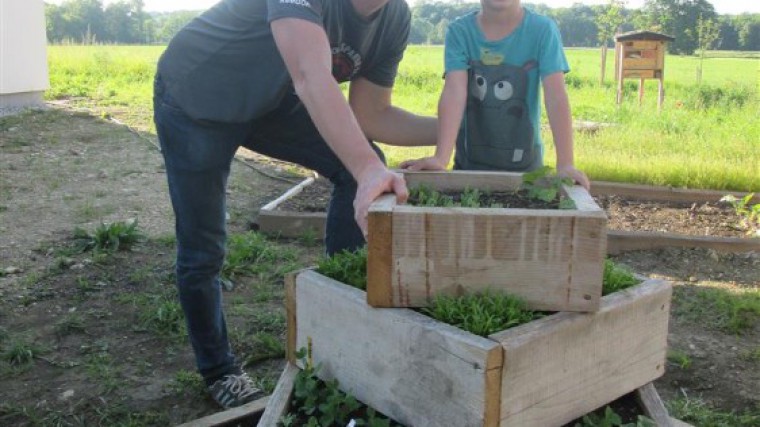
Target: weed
<point>251,253</point>
<point>679,358</point>
<point>612,419</point>
<point>265,346</point>
<point>108,238</point>
<point>751,355</point>
<point>616,278</point>
<point>697,412</point>
<point>749,215</point>
<point>165,317</point>
<point>734,311</point>
<point>21,353</point>
<point>309,237</point>
<point>72,324</point>
<point>346,267</point>
<point>100,366</point>
<point>322,403</point>
<point>185,381</point>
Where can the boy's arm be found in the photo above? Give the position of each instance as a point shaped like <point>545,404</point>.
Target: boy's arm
<point>450,110</point>
<point>306,51</point>
<point>560,121</point>
<point>383,122</point>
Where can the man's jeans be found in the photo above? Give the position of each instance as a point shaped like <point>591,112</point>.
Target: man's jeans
<point>198,155</point>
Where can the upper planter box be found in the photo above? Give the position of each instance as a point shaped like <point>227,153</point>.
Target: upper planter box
<point>551,258</point>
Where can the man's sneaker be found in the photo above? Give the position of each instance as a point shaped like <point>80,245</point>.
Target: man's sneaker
<point>234,390</point>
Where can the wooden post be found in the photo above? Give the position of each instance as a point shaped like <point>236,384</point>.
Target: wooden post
<point>620,55</point>
<point>641,90</point>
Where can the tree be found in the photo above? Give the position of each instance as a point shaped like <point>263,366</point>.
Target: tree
<point>607,24</point>
<point>707,34</point>
<point>677,18</point>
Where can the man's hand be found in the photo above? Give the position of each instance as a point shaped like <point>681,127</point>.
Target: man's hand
<point>431,163</point>
<point>576,175</point>
<point>371,185</point>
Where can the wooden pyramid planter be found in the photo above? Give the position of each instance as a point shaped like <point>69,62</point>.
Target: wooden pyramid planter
<point>422,372</point>
<point>551,258</point>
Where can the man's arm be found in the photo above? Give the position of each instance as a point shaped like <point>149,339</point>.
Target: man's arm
<point>305,49</point>
<point>383,122</point>
<point>560,121</point>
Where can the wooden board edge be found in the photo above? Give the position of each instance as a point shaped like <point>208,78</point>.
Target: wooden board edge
<point>380,259</point>
<point>459,180</point>
<point>230,415</point>
<point>290,314</point>
<point>550,324</point>
<point>652,405</point>
<point>280,398</point>
<point>663,194</point>
<point>582,199</point>
<point>493,374</point>
<point>621,241</point>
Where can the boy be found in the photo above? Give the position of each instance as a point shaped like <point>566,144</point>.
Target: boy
<point>493,62</point>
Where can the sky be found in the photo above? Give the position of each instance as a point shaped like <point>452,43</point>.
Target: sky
<point>732,7</point>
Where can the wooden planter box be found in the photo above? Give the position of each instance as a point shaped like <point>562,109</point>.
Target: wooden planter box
<point>422,372</point>
<point>551,258</point>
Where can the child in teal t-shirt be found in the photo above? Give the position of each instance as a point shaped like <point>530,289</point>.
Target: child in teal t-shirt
<point>495,61</point>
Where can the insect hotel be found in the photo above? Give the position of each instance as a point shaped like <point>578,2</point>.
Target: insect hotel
<point>641,54</point>
<point>423,373</point>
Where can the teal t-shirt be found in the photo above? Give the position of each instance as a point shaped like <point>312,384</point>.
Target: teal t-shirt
<point>535,44</point>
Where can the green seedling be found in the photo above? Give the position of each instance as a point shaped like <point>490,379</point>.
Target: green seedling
<point>749,214</point>
<point>543,184</point>
<point>616,278</point>
<point>679,358</point>
<point>610,418</point>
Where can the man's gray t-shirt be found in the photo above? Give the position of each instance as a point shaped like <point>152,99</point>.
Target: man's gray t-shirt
<point>224,65</point>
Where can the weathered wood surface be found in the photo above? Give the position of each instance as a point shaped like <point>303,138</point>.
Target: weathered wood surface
<point>551,258</point>
<point>622,241</point>
<point>661,194</point>
<point>230,415</point>
<point>291,224</point>
<point>565,365</point>
<point>650,401</point>
<point>280,399</point>
<point>410,367</point>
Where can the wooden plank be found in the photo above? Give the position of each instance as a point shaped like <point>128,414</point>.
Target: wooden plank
<point>380,252</point>
<point>240,413</point>
<point>280,399</point>
<point>601,356</point>
<point>418,371</point>
<point>662,194</point>
<point>639,63</point>
<point>583,200</point>
<point>620,241</point>
<point>650,401</point>
<point>450,251</point>
<point>291,224</point>
<point>459,180</point>
<point>645,74</point>
<point>290,313</point>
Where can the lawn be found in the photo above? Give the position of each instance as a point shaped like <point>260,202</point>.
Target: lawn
<point>706,136</point>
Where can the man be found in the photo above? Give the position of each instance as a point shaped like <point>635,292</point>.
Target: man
<point>262,74</point>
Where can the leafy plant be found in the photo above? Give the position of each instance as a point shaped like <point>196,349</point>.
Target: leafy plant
<point>749,214</point>
<point>610,418</point>
<point>321,403</point>
<point>679,358</point>
<point>426,196</point>
<point>347,267</point>
<point>481,313</point>
<point>543,184</point>
<point>616,278</point>
<point>108,238</point>
<point>252,254</point>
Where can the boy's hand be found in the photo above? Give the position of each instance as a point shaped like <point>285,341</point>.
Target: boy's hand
<point>576,175</point>
<point>371,185</point>
<point>424,164</point>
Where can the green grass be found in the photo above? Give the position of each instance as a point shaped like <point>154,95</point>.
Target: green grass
<point>699,413</point>
<point>731,310</point>
<point>705,136</point>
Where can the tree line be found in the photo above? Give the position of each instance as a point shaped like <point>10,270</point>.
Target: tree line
<point>126,22</point>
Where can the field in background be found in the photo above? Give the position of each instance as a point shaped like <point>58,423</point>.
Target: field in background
<point>706,136</point>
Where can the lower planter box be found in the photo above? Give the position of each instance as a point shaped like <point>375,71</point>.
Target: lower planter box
<point>423,373</point>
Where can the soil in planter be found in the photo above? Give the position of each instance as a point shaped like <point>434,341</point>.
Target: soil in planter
<point>626,214</point>
<point>501,199</point>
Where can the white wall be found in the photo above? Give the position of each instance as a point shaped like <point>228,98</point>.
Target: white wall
<point>23,47</point>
